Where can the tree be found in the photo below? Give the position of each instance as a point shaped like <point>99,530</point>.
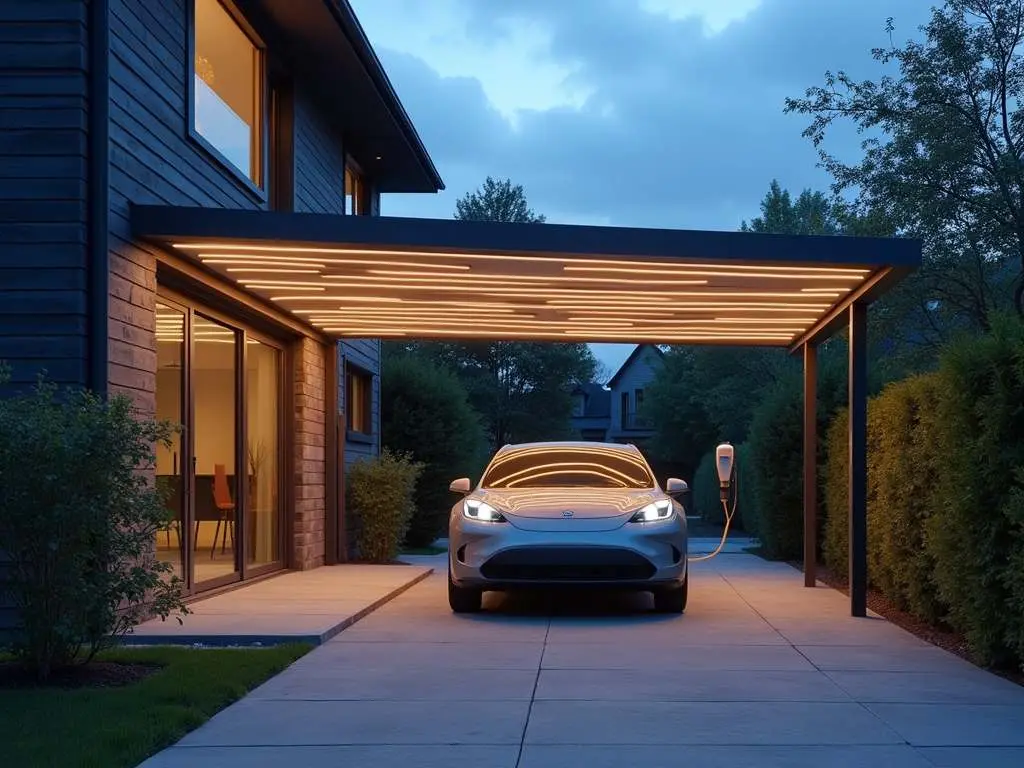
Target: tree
<point>812,214</point>
<point>944,159</point>
<point>520,389</point>
<point>426,415</point>
<point>497,201</point>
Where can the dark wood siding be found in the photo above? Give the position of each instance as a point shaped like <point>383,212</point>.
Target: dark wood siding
<point>153,159</point>
<point>319,162</point>
<point>364,354</point>
<point>43,113</point>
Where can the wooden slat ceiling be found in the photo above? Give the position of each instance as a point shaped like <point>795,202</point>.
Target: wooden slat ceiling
<point>423,294</point>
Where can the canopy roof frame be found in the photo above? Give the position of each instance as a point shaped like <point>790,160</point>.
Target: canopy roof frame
<point>357,276</point>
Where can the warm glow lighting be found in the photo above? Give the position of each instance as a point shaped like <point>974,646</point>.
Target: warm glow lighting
<point>787,273</point>
<point>546,278</point>
<point>577,262</point>
<point>247,258</point>
<point>361,292</point>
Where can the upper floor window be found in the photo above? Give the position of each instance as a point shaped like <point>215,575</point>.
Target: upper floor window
<point>359,401</point>
<point>227,92</point>
<point>354,192</point>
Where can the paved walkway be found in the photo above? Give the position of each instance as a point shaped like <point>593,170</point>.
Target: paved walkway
<point>307,606</point>
<point>758,672</point>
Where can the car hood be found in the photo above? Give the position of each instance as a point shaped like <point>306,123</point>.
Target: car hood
<point>556,503</point>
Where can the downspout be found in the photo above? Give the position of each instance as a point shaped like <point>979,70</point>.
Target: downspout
<point>98,189</point>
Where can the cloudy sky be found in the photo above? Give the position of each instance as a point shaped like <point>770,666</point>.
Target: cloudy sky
<point>650,113</point>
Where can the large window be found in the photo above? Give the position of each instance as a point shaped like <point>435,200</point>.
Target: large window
<point>227,92</point>
<point>359,401</point>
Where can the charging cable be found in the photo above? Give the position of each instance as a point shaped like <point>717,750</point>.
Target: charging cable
<point>734,486</point>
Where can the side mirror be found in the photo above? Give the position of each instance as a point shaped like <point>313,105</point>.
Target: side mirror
<point>460,486</point>
<point>676,487</point>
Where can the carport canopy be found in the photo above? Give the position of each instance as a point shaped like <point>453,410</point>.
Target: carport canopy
<point>395,278</point>
<point>381,277</point>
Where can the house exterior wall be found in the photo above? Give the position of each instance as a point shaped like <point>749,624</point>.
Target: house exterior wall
<point>148,157</point>
<point>43,176</point>
<point>637,375</point>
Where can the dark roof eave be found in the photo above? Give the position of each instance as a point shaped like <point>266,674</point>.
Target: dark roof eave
<point>353,30</point>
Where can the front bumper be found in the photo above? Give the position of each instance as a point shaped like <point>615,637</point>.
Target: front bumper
<point>498,556</point>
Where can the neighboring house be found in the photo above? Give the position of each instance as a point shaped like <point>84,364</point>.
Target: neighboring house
<point>268,106</point>
<point>591,411</point>
<point>614,413</point>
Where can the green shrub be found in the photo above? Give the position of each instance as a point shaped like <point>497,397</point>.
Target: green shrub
<point>975,532</point>
<point>705,490</point>
<point>836,494</point>
<point>903,464</point>
<point>79,513</point>
<point>381,497</point>
<point>776,443</point>
<point>776,452</point>
<point>426,414</point>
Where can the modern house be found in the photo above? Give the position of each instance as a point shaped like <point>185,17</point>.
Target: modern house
<point>614,412</point>
<point>264,107</point>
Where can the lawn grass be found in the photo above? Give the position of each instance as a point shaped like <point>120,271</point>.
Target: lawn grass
<point>122,726</point>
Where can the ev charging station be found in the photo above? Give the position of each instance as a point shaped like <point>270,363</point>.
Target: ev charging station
<point>725,466</point>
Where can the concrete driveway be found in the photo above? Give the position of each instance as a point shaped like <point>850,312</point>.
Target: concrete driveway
<point>758,672</point>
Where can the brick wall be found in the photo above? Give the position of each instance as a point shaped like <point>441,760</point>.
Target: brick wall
<point>308,544</point>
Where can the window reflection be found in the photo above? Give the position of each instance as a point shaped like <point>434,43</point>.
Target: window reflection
<point>227,87</point>
<point>263,380</point>
<point>170,352</point>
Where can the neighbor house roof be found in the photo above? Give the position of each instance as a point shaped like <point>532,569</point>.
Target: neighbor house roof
<point>637,350</point>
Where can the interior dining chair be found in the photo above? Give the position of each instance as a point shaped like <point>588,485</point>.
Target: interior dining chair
<point>225,505</point>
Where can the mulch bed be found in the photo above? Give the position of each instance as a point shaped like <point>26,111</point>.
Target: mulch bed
<point>941,637</point>
<point>98,674</point>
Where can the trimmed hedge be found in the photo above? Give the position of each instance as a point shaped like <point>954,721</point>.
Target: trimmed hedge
<point>381,497</point>
<point>946,493</point>
<point>902,472</point>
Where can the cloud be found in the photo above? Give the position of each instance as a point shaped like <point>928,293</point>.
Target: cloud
<point>627,112</point>
<point>608,112</point>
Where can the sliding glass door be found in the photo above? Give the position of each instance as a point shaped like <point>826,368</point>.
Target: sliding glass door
<point>224,384</point>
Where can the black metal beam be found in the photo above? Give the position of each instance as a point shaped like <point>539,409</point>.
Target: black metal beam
<point>810,464</point>
<point>867,292</point>
<point>165,225</point>
<point>858,475</point>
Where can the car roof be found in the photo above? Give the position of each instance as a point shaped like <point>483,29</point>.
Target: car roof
<point>557,444</point>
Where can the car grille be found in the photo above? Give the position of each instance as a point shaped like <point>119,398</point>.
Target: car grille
<point>567,564</point>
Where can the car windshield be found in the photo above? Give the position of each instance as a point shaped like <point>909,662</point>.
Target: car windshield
<point>562,467</point>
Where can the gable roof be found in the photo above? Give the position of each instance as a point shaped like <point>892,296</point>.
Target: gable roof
<point>598,404</point>
<point>631,359</point>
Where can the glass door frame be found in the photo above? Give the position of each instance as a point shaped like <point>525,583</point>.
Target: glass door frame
<point>189,309</point>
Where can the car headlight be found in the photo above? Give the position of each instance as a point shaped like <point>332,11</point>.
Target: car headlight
<point>475,509</point>
<point>657,510</point>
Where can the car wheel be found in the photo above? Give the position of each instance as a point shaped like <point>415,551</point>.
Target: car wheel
<point>464,599</point>
<point>672,600</point>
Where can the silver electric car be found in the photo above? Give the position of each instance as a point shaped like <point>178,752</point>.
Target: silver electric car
<point>567,514</point>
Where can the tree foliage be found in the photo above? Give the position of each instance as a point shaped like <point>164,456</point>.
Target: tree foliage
<point>497,201</point>
<point>426,414</point>
<point>943,161</point>
<point>520,389</point>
